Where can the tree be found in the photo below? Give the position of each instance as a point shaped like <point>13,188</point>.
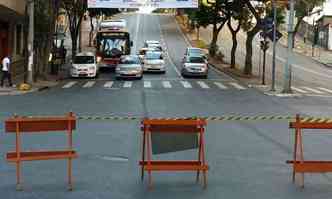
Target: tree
<point>253,27</point>
<point>237,12</point>
<point>44,28</point>
<point>75,10</point>
<point>303,8</point>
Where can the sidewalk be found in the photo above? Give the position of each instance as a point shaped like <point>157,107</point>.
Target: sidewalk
<point>321,55</point>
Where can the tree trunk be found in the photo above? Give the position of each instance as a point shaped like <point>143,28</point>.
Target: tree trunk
<point>213,44</point>
<point>248,60</point>
<point>198,28</point>
<point>73,46</point>
<point>91,31</point>
<point>233,51</point>
<point>296,28</point>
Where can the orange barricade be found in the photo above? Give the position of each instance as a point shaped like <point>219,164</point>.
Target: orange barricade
<point>21,125</point>
<point>299,164</point>
<point>173,126</point>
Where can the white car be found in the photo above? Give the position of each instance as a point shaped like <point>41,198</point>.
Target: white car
<point>153,62</point>
<point>151,42</point>
<point>84,65</point>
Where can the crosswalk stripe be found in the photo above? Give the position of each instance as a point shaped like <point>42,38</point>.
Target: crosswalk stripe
<point>203,84</point>
<point>186,84</point>
<point>313,90</point>
<point>220,85</point>
<point>237,86</point>
<point>127,84</point>
<point>299,90</point>
<point>147,84</point>
<point>167,84</point>
<point>325,89</point>
<point>69,84</point>
<point>108,84</point>
<point>89,84</point>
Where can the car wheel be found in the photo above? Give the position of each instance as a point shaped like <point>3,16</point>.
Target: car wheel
<point>117,78</point>
<point>205,77</point>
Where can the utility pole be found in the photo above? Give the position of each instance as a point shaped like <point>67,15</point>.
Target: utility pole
<point>31,40</point>
<point>274,45</point>
<point>288,66</point>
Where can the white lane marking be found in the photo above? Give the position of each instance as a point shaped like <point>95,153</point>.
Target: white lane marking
<point>69,84</point>
<point>312,90</point>
<point>127,84</point>
<point>186,84</point>
<point>299,90</point>
<point>325,89</point>
<point>203,84</point>
<point>237,86</point>
<point>108,84</point>
<point>220,85</point>
<point>89,84</point>
<point>167,84</point>
<point>147,84</point>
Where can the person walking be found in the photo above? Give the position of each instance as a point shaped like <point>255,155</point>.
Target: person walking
<point>6,71</point>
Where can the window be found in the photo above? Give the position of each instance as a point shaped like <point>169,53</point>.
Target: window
<point>19,39</point>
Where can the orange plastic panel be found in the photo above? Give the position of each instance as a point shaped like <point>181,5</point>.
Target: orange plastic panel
<point>311,166</point>
<point>41,155</point>
<point>174,166</point>
<point>39,124</point>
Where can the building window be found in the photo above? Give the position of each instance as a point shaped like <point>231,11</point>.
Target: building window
<point>19,39</point>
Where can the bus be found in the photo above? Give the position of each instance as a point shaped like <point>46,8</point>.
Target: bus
<point>111,44</point>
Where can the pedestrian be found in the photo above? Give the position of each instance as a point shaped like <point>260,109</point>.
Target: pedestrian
<point>6,71</point>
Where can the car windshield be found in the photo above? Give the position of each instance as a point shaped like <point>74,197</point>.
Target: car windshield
<point>196,60</point>
<point>130,60</point>
<point>84,60</point>
<point>152,55</point>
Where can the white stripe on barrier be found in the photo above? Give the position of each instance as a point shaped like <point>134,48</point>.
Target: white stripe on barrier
<point>325,89</point>
<point>299,90</point>
<point>312,90</point>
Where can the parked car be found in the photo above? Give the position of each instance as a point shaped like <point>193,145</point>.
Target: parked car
<point>153,62</point>
<point>130,66</point>
<point>84,65</point>
<point>194,66</point>
<point>114,23</point>
<point>195,52</point>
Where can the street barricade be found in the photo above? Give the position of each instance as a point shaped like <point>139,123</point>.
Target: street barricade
<point>189,126</point>
<point>300,165</point>
<point>19,125</point>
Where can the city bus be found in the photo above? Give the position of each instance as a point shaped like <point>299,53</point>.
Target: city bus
<point>111,44</point>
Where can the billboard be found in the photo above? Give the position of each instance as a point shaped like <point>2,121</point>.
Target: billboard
<point>143,3</point>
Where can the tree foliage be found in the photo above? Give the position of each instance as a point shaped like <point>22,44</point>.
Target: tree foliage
<point>75,10</point>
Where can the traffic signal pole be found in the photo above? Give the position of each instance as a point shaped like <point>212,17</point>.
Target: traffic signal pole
<point>289,61</point>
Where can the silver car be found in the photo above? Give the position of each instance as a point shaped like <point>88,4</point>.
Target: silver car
<point>153,62</point>
<point>195,67</point>
<point>130,66</point>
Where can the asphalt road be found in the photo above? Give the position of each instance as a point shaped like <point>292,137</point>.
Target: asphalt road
<point>246,159</point>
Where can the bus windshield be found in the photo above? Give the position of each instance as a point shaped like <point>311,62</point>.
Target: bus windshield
<point>113,47</point>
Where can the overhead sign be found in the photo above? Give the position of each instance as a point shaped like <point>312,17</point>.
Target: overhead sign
<point>142,3</point>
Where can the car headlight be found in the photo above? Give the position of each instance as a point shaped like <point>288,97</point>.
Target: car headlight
<point>99,59</point>
<point>92,68</point>
<point>118,69</point>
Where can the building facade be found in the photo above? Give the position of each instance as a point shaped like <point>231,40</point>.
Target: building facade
<point>12,40</point>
